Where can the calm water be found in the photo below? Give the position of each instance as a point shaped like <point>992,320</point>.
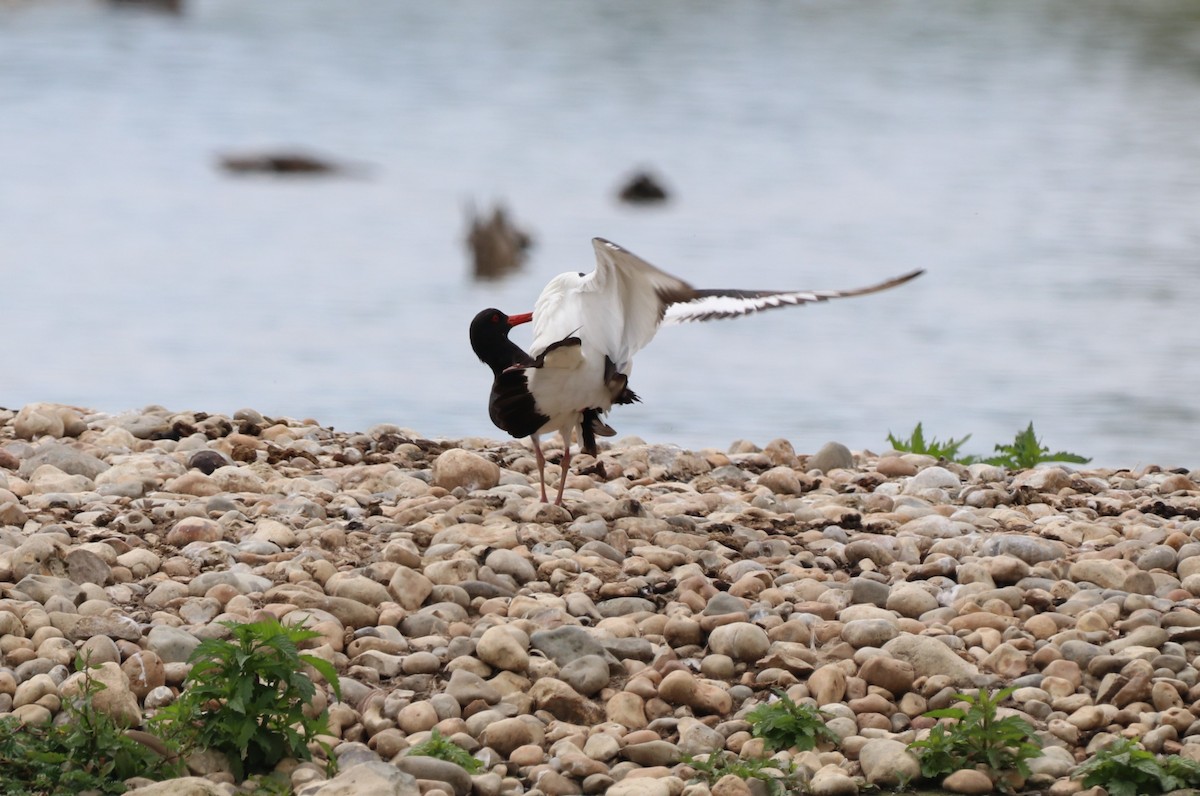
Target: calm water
<point>1042,161</point>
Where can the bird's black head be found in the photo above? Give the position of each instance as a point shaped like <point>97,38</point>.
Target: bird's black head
<point>489,338</point>
<point>489,325</point>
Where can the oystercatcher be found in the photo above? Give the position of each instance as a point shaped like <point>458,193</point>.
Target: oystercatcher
<point>586,329</point>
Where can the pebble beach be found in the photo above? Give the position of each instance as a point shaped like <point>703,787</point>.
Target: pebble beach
<point>597,646</point>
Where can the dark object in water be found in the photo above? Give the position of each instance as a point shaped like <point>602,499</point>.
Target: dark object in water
<point>642,188</point>
<point>497,246</point>
<point>279,163</point>
<point>166,6</point>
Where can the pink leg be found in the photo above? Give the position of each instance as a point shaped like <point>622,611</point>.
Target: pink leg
<point>541,463</point>
<point>562,475</point>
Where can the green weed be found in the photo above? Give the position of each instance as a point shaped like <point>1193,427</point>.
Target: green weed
<point>916,443</point>
<point>977,737</point>
<point>87,752</point>
<point>274,784</point>
<point>246,697</point>
<point>444,749</point>
<point>1124,768</point>
<point>1026,451</point>
<point>783,724</point>
<point>780,778</point>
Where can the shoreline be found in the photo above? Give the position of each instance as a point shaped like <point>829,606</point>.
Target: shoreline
<point>591,647</point>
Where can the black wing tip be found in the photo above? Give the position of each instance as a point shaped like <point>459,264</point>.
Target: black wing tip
<point>888,284</point>
<point>903,279</point>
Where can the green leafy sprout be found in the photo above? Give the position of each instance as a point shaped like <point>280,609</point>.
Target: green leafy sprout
<point>90,751</point>
<point>245,697</point>
<point>1027,451</point>
<point>976,737</point>
<point>783,724</point>
<point>1024,452</point>
<point>916,443</point>
<point>444,749</point>
<point>780,777</point>
<point>1124,768</point>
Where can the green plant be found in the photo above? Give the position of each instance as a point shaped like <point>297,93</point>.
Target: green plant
<point>783,724</point>
<point>245,697</point>
<point>274,784</point>
<point>444,749</point>
<point>89,751</point>
<point>1124,768</point>
<point>34,763</point>
<point>916,443</point>
<point>1027,451</point>
<point>780,778</point>
<point>977,737</point>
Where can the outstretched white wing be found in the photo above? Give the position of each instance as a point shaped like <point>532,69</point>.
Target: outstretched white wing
<point>616,309</point>
<point>708,305</point>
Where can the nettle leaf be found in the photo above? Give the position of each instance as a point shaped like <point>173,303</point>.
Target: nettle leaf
<point>1168,782</point>
<point>305,689</point>
<point>1185,769</point>
<point>1003,693</point>
<point>1147,765</point>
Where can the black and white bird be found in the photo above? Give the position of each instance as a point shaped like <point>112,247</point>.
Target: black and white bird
<point>586,329</point>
